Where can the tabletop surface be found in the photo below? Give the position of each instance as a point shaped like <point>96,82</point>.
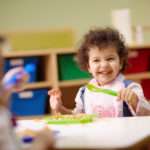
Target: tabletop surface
<point>102,133</point>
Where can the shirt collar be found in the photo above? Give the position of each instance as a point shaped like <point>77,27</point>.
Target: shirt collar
<point>119,78</point>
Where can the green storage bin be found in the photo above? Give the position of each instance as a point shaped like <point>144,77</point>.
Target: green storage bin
<point>68,68</point>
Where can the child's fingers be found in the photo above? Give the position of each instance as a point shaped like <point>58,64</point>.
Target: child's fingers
<point>15,78</point>
<point>121,94</point>
<point>127,95</point>
<point>11,73</point>
<point>52,92</point>
<point>55,92</point>
<point>132,99</point>
<point>55,103</point>
<point>45,139</point>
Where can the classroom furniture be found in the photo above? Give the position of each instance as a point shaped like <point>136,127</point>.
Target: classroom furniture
<point>127,133</point>
<point>31,43</point>
<point>29,102</point>
<point>40,38</point>
<point>57,68</point>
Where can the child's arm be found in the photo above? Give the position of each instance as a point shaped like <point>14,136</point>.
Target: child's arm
<point>56,104</point>
<point>143,108</point>
<point>6,87</point>
<point>135,98</point>
<point>42,141</point>
<point>129,96</point>
<point>15,79</point>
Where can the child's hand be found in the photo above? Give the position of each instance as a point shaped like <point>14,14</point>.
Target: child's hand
<point>44,140</point>
<point>20,76</point>
<point>129,96</point>
<point>55,100</point>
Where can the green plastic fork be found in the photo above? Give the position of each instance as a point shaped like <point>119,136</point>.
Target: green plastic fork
<point>96,89</point>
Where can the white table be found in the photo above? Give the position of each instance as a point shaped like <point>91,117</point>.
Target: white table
<point>104,133</point>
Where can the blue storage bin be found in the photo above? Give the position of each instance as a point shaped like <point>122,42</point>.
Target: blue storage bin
<point>29,102</point>
<point>15,62</point>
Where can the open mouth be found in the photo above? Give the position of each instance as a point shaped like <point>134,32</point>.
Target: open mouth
<point>104,72</point>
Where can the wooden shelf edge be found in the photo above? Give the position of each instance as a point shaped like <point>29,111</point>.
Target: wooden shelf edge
<point>25,53</point>
<point>138,46</point>
<point>44,52</point>
<point>138,76</point>
<point>39,52</point>
<point>37,85</point>
<point>77,82</point>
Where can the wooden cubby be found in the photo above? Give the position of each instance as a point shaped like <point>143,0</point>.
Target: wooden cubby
<point>49,65</point>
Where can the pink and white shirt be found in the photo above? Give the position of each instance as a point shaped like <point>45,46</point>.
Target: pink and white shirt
<point>105,105</point>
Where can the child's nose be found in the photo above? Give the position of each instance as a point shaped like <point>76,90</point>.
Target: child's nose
<point>104,64</point>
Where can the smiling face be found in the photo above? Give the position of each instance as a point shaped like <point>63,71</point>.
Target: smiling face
<point>104,64</point>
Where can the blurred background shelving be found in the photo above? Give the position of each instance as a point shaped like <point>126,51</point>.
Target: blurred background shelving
<point>59,69</point>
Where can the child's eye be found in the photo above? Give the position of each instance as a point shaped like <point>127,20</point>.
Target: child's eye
<point>96,60</point>
<point>110,59</point>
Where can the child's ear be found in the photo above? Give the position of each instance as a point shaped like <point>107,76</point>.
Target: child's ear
<point>88,68</point>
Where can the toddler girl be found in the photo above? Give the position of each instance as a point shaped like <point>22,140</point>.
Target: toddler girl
<point>108,94</point>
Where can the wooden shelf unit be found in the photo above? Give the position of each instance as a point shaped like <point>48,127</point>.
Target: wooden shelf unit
<point>51,68</point>
<point>50,56</point>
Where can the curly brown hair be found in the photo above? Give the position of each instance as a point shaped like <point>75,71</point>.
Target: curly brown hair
<point>102,38</point>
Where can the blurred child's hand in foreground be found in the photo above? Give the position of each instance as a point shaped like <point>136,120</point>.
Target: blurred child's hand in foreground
<point>15,78</point>
<point>55,100</point>
<point>43,140</point>
<point>129,96</point>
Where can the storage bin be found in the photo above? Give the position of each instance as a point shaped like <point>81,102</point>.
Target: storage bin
<point>29,102</point>
<point>43,39</point>
<point>146,88</point>
<point>146,84</point>
<point>68,69</point>
<point>138,61</point>
<point>11,63</point>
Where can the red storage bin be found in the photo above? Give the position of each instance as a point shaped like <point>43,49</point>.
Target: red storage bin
<point>146,87</point>
<point>138,61</point>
